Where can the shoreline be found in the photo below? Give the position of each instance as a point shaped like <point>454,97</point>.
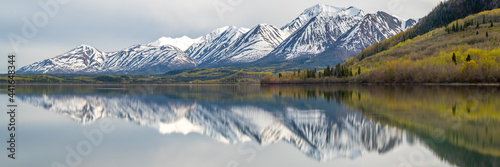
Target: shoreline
<point>393,84</point>
<point>271,84</point>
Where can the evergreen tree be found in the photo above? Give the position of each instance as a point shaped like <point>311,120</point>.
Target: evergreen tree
<point>491,23</point>
<point>484,19</point>
<point>327,70</point>
<point>280,75</point>
<point>359,70</point>
<point>477,32</point>
<point>468,58</point>
<point>454,59</point>
<point>486,34</point>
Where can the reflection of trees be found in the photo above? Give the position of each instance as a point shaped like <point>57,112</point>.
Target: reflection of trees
<point>465,119</point>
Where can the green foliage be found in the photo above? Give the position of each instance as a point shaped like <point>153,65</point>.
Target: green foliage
<point>429,57</point>
<point>108,78</point>
<point>342,71</point>
<point>442,15</point>
<point>328,71</point>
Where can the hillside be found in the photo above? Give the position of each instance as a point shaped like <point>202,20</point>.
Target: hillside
<point>441,15</point>
<point>429,58</point>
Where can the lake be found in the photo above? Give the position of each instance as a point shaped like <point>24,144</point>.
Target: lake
<point>253,126</point>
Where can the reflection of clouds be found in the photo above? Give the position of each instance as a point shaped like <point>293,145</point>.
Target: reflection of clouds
<point>321,135</point>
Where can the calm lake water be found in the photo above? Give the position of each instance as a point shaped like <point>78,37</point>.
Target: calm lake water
<point>254,126</point>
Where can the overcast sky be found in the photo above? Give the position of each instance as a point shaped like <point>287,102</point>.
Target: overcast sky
<point>112,25</point>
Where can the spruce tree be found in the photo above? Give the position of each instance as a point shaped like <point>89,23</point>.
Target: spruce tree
<point>486,34</point>
<point>454,59</point>
<point>491,23</point>
<point>327,71</point>
<point>359,70</point>
<point>468,58</point>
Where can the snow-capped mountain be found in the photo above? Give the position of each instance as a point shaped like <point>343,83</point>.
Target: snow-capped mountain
<point>317,133</point>
<point>138,59</point>
<point>254,45</point>
<point>82,59</point>
<point>232,45</point>
<point>320,35</point>
<point>212,47</point>
<point>372,28</point>
<point>147,59</point>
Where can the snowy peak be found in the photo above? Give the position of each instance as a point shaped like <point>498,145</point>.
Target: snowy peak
<point>255,44</point>
<point>321,10</point>
<point>84,47</point>
<point>372,28</point>
<point>82,58</point>
<point>214,46</point>
<point>182,43</point>
<point>268,33</point>
<point>314,31</point>
<point>148,59</point>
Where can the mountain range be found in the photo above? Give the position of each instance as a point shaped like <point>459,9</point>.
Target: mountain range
<point>319,36</point>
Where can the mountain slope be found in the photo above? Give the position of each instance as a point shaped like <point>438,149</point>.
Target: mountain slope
<point>307,15</point>
<point>254,45</point>
<point>319,33</point>
<point>470,55</point>
<point>147,59</point>
<point>371,29</point>
<point>82,59</point>
<point>212,47</point>
<point>443,14</point>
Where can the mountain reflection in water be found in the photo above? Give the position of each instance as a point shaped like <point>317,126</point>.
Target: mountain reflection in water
<point>459,123</point>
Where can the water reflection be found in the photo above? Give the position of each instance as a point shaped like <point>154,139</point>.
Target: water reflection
<point>460,124</point>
